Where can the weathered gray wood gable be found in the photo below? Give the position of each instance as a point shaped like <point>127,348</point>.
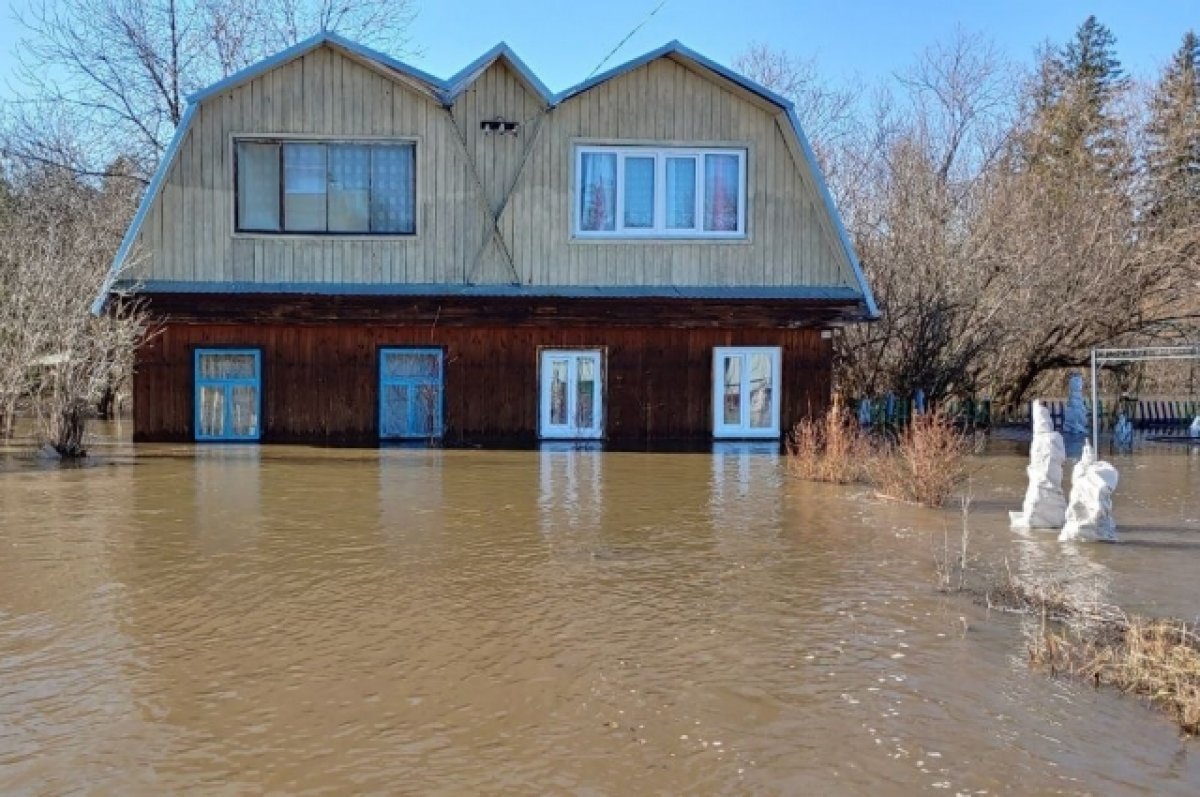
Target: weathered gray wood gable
<point>492,210</point>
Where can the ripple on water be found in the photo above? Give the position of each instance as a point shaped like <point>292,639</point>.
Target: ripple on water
<point>295,620</point>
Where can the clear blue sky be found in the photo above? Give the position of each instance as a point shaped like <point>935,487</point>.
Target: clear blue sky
<point>563,41</point>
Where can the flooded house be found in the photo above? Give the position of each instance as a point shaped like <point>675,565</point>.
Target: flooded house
<point>340,248</point>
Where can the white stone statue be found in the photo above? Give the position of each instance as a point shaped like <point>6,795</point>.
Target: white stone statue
<point>1089,514</point>
<point>1194,429</point>
<point>1045,505</point>
<point>1075,413</point>
<point>1123,432</point>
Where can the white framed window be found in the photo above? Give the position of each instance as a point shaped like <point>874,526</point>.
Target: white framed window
<point>318,187</point>
<point>746,382</point>
<point>659,192</point>
<point>571,402</point>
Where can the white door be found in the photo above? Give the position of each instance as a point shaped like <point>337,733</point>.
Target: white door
<point>572,394</point>
<point>746,391</point>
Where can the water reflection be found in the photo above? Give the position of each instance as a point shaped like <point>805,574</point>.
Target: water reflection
<point>570,487</point>
<point>228,493</point>
<point>563,620</point>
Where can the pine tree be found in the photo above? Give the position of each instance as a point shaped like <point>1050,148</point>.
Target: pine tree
<point>1073,97</point>
<point>1173,152</point>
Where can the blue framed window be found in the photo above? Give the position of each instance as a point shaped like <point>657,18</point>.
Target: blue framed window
<point>228,394</point>
<point>410,393</point>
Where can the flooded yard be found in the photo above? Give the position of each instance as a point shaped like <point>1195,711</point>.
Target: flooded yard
<point>244,620</point>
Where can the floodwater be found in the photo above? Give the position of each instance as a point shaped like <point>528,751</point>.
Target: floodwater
<point>245,620</point>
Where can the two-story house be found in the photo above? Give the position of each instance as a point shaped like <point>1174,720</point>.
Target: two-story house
<point>340,248</point>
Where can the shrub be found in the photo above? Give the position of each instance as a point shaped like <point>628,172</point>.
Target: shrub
<point>926,462</point>
<point>828,448</point>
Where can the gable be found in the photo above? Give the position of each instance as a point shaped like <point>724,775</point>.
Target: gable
<point>492,209</point>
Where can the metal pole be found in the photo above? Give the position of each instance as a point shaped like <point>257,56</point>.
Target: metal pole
<point>1095,410</point>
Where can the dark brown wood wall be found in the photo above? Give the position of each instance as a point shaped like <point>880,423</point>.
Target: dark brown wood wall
<point>320,382</point>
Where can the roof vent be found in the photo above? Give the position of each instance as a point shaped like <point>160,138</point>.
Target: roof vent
<point>499,126</point>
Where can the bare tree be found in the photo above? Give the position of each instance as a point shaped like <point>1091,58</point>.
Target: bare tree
<point>827,113</point>
<point>118,73</point>
<point>57,357</point>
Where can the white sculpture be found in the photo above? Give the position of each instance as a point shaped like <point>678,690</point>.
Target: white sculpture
<point>1123,432</point>
<point>1045,505</point>
<point>1194,429</point>
<point>1090,515</point>
<point>1075,413</point>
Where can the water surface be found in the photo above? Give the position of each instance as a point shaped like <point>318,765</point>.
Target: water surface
<point>245,620</point>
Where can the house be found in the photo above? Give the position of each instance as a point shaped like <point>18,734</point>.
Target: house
<point>340,248</point>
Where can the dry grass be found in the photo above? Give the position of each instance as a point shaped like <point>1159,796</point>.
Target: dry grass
<point>1157,659</point>
<point>830,448</point>
<point>926,463</point>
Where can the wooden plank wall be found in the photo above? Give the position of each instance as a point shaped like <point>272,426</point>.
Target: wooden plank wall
<point>320,381</point>
<point>188,233</point>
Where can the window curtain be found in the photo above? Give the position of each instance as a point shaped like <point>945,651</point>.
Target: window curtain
<point>393,189</point>
<point>721,193</point>
<point>598,191</point>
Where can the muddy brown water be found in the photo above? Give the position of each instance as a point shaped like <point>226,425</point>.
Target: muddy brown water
<point>244,620</point>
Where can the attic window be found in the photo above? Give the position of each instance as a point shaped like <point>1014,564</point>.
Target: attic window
<point>499,126</point>
<point>660,192</point>
<point>299,187</point>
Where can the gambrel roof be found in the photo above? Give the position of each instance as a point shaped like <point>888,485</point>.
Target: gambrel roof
<point>446,91</point>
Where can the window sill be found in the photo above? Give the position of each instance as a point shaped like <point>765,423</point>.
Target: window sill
<point>654,240</point>
<point>301,237</point>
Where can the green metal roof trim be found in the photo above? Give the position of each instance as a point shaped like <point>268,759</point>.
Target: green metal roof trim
<point>447,91</point>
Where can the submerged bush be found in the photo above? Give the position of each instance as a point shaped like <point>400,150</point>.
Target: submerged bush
<point>923,465</point>
<point>828,448</point>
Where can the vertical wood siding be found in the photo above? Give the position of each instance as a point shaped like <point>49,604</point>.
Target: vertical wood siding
<point>464,176</point>
<point>320,383</point>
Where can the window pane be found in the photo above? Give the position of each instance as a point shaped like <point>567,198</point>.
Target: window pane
<point>558,392</point>
<point>304,175</point>
<point>244,409</point>
<point>585,399</point>
<point>427,404</point>
<point>733,391</point>
<point>393,189</point>
<point>597,192</point>
<point>410,364</point>
<point>721,189</point>
<point>681,193</point>
<point>349,188</point>
<point>212,411</point>
<point>393,417</point>
<point>257,186</point>
<point>762,391</point>
<point>226,366</point>
<point>639,193</point>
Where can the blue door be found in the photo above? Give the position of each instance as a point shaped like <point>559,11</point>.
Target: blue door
<point>228,394</point>
<point>410,394</point>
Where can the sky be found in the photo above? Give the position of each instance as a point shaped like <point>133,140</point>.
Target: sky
<point>851,40</point>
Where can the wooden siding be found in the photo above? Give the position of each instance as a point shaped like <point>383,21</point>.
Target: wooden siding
<point>464,177</point>
<point>320,382</point>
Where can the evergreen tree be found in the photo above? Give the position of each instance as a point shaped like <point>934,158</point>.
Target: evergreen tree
<point>1073,96</point>
<point>1173,152</point>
